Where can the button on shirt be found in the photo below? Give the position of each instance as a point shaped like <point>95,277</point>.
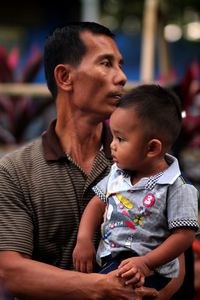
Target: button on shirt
<point>139,217</point>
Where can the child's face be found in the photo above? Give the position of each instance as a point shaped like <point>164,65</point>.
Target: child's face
<point>129,146</point>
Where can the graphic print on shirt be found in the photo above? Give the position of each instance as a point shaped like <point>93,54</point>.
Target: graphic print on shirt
<point>121,212</point>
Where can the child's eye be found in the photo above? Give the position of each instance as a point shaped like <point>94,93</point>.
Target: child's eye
<point>120,139</point>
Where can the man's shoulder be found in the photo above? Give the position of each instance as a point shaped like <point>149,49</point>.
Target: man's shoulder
<point>22,154</point>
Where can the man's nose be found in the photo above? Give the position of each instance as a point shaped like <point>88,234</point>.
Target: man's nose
<point>120,77</point>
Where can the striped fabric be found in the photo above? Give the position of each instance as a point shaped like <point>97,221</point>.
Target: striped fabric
<point>41,201</point>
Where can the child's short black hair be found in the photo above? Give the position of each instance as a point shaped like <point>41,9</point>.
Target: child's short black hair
<point>159,110</point>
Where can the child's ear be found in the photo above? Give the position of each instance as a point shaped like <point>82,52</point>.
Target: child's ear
<point>154,148</point>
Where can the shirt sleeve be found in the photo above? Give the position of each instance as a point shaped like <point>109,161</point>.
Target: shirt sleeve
<point>182,206</point>
<point>16,227</point>
<point>101,189</point>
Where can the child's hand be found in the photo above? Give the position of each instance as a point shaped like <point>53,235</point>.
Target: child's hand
<point>135,270</point>
<point>84,256</point>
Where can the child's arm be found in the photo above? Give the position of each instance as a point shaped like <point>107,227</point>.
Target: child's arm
<point>171,248</point>
<point>172,287</point>
<point>84,251</point>
<point>175,283</point>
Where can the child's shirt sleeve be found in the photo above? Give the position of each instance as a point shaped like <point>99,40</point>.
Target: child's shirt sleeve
<point>101,188</point>
<point>183,206</point>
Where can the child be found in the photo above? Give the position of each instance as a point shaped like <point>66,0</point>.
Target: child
<point>150,213</point>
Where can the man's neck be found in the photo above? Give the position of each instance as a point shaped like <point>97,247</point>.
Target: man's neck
<point>81,141</point>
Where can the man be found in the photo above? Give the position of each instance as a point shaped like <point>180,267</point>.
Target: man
<point>46,185</point>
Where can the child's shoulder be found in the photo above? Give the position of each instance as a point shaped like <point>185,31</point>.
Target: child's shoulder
<point>182,183</point>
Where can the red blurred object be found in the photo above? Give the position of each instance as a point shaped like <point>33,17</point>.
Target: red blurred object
<point>196,246</point>
<point>190,95</point>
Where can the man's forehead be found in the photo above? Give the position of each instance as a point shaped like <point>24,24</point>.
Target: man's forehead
<point>95,38</point>
<point>100,42</point>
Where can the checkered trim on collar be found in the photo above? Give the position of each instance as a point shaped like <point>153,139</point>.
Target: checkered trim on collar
<point>152,180</point>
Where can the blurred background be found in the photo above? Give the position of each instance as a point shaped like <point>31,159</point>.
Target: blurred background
<point>159,40</point>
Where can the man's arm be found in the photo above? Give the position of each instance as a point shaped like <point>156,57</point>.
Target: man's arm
<point>32,280</point>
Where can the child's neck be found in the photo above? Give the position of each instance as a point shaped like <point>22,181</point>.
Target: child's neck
<point>152,170</point>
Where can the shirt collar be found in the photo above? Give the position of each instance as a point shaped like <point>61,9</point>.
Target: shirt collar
<point>53,150</point>
<point>166,177</point>
<point>172,172</point>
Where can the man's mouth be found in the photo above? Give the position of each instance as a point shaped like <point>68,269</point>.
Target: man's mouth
<point>116,96</point>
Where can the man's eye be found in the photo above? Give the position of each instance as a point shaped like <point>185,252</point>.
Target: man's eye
<point>106,63</point>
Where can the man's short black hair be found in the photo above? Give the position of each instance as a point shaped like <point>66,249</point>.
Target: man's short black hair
<point>64,46</point>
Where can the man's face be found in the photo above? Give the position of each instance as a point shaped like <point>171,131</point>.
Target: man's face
<point>99,80</point>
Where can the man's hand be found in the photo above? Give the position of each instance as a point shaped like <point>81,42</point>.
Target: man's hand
<point>114,287</point>
<point>146,292</point>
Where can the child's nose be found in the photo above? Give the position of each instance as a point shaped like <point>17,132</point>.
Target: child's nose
<point>113,146</point>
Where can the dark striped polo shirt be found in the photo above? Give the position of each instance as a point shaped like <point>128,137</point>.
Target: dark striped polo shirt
<point>42,197</point>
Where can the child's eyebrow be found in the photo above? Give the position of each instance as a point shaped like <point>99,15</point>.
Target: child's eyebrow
<point>115,131</point>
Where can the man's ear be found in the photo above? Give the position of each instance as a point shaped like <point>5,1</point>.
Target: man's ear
<point>63,76</point>
<point>154,148</point>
